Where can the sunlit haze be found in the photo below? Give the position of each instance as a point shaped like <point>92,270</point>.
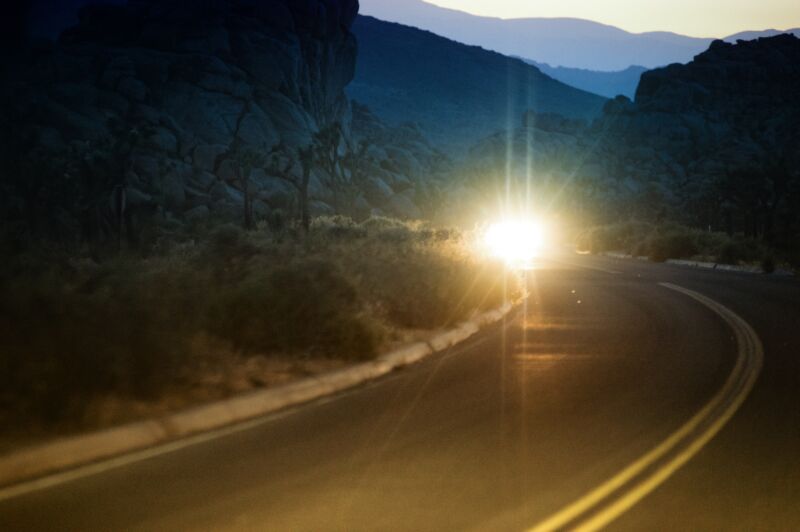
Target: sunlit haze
<point>687,17</point>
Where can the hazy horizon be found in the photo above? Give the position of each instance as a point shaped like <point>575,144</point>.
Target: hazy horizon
<point>684,17</point>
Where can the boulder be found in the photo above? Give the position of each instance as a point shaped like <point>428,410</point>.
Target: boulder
<point>377,192</point>
<point>147,168</point>
<point>212,117</point>
<point>133,89</point>
<point>320,208</point>
<point>277,193</point>
<point>202,180</point>
<point>256,129</point>
<point>224,193</point>
<point>205,156</point>
<point>197,214</point>
<point>261,210</point>
<point>402,206</point>
<point>228,170</point>
<point>174,182</point>
<point>163,140</point>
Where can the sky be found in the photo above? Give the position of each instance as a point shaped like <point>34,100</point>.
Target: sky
<point>697,18</point>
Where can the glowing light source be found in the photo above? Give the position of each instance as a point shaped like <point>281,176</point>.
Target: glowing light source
<point>515,242</point>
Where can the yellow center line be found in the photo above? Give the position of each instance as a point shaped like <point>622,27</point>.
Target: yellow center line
<point>749,360</point>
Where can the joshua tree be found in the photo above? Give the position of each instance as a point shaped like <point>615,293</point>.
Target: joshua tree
<point>246,159</point>
<point>344,167</point>
<point>283,166</point>
<point>328,154</point>
<point>356,162</point>
<point>306,157</point>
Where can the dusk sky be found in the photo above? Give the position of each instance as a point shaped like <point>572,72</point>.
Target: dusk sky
<point>688,17</point>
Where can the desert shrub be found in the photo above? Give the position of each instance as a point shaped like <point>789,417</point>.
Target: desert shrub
<point>227,242</point>
<point>378,223</point>
<point>337,227</point>
<point>301,307</point>
<point>672,241</point>
<point>671,244</point>
<point>641,249</point>
<point>72,329</point>
<point>420,282</point>
<point>738,249</point>
<point>768,264</point>
<point>583,241</point>
<point>122,331</point>
<point>622,236</point>
<point>709,243</point>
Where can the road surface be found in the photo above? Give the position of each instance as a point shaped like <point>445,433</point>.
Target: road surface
<point>603,365</point>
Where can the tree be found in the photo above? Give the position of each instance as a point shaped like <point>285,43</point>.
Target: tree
<point>357,163</point>
<point>306,157</point>
<point>73,192</point>
<point>283,166</point>
<point>328,153</point>
<point>345,167</point>
<point>246,159</point>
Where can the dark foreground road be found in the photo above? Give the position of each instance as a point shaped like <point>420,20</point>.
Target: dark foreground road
<point>503,431</point>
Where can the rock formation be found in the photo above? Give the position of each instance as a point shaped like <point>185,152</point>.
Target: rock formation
<point>165,91</point>
<point>402,171</point>
<point>714,142</point>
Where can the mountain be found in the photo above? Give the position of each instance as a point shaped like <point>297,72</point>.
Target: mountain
<point>752,35</point>
<point>456,93</point>
<point>608,84</point>
<point>625,82</point>
<point>567,42</point>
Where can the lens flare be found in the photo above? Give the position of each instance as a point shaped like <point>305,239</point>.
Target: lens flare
<point>515,242</point>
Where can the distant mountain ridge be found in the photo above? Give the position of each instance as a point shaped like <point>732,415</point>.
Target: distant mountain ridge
<point>751,35</point>
<point>573,43</point>
<point>456,93</point>
<point>608,84</point>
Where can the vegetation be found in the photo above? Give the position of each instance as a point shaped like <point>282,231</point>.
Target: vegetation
<point>660,242</point>
<point>73,329</point>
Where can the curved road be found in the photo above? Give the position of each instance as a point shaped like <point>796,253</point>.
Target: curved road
<point>602,365</point>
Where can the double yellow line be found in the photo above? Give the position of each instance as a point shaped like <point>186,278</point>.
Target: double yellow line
<point>614,497</point>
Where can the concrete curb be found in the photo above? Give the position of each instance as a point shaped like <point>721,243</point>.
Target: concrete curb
<point>67,453</point>
<point>705,265</point>
<point>618,255</point>
<point>716,266</point>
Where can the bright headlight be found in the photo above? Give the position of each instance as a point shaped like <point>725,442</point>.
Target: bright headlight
<point>516,242</point>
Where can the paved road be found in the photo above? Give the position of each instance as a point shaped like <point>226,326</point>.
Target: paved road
<point>503,431</point>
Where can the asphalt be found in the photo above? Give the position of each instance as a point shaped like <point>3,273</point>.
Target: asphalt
<point>601,365</point>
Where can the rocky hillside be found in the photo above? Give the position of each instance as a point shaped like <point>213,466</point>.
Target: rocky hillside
<point>456,93</point>
<point>403,172</point>
<point>734,106</point>
<point>158,97</point>
<point>714,143</point>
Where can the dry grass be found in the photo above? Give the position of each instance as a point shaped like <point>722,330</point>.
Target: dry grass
<point>84,342</point>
